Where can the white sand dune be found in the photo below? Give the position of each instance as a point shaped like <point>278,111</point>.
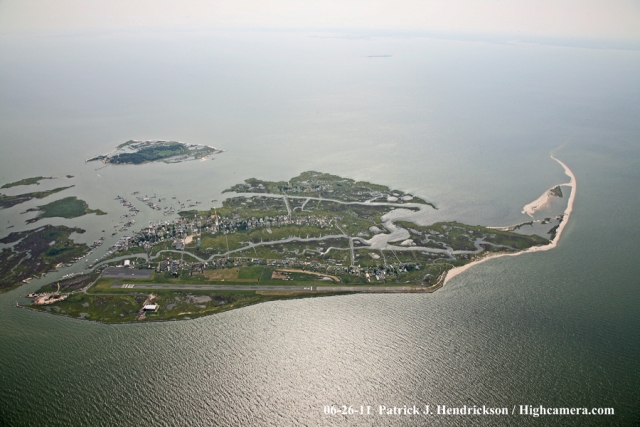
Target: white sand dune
<point>567,213</point>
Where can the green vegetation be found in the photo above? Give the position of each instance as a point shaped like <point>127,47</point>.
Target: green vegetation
<point>150,154</point>
<point>27,181</point>
<point>97,307</point>
<point>556,191</point>
<point>259,206</point>
<point>122,305</point>
<point>69,207</point>
<point>9,201</point>
<point>458,236</point>
<point>139,152</point>
<point>70,284</point>
<point>294,237</point>
<point>132,251</point>
<point>326,186</point>
<point>35,252</point>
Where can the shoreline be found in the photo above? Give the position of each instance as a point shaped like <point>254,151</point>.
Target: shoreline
<point>554,242</point>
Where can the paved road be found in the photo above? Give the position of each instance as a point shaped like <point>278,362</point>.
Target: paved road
<point>353,257</point>
<point>286,202</point>
<point>313,289</point>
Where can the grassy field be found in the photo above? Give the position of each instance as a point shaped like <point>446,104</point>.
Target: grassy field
<point>253,207</point>
<point>248,275</point>
<point>113,305</point>
<point>27,181</point>
<point>317,184</point>
<point>69,207</point>
<point>9,201</point>
<point>174,305</point>
<point>211,244</point>
<point>147,151</point>
<point>460,236</point>
<point>70,284</point>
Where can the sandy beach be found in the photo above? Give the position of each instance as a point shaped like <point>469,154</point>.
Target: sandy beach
<point>567,213</point>
<point>537,204</point>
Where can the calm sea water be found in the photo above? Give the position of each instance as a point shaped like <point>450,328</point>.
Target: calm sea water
<point>467,125</point>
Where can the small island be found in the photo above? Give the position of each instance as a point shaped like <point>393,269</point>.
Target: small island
<point>69,207</point>
<point>9,201</point>
<point>555,191</point>
<point>27,181</point>
<point>135,152</point>
<point>314,235</point>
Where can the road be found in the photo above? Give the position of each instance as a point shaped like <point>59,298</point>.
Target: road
<point>353,256</point>
<point>311,289</point>
<point>286,202</point>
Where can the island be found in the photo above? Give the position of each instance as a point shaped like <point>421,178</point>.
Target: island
<point>35,252</point>
<point>314,235</point>
<point>9,201</point>
<point>27,181</point>
<point>135,152</point>
<point>69,207</point>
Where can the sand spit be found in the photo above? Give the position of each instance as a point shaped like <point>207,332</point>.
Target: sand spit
<point>540,202</point>
<point>572,183</point>
<point>537,204</point>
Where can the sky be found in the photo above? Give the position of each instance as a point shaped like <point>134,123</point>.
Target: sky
<point>594,19</point>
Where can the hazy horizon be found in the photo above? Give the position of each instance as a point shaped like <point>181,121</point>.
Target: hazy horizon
<point>613,20</point>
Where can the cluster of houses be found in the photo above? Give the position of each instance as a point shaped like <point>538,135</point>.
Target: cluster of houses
<point>176,231</point>
<point>180,231</point>
<point>331,266</point>
<point>215,224</point>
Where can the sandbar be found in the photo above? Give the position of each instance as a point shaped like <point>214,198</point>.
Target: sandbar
<point>572,183</point>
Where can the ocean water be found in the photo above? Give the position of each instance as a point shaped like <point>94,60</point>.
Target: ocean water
<point>468,125</point>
